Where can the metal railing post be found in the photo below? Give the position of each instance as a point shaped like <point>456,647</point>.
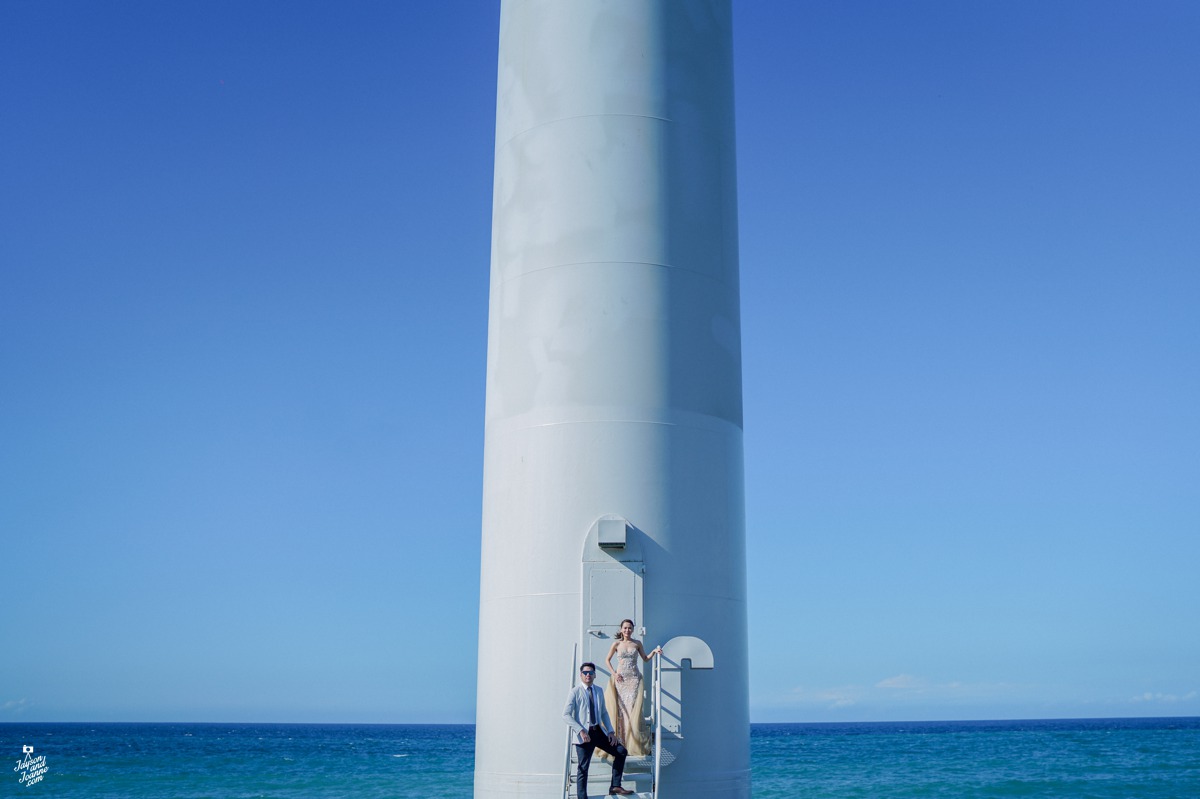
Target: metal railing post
<point>567,751</point>
<point>657,720</point>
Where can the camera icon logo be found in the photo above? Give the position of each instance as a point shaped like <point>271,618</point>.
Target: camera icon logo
<point>27,750</point>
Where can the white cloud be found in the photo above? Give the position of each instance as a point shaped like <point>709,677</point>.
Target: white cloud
<point>15,705</point>
<point>1150,696</point>
<point>844,696</point>
<point>902,681</point>
<point>902,690</point>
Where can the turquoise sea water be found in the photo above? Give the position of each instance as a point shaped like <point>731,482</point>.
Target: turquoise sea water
<point>1102,759</point>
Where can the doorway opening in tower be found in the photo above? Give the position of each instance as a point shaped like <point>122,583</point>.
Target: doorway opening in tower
<point>613,582</point>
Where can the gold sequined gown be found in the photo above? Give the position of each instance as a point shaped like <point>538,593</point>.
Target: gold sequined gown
<point>624,700</point>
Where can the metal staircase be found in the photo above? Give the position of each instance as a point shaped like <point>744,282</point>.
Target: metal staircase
<point>666,716</point>
<point>641,773</point>
<point>638,776</point>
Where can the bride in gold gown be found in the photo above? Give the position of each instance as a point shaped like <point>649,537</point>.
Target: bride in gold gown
<point>624,692</point>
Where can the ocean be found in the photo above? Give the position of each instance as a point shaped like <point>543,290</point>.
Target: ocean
<point>1081,759</point>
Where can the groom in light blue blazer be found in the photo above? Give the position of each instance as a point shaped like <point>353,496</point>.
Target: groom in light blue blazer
<point>592,729</point>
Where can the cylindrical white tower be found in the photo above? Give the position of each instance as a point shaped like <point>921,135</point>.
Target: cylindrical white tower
<point>613,376</point>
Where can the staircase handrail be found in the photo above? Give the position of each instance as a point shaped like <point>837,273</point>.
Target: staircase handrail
<point>567,750</point>
<point>657,706</point>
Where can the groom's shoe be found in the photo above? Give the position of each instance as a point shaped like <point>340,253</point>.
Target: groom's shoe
<point>617,790</point>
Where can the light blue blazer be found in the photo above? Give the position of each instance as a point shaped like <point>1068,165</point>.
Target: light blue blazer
<point>575,713</point>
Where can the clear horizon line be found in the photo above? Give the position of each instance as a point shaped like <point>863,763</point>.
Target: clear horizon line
<point>752,723</point>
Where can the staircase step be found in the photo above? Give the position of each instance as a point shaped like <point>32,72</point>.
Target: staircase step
<point>643,764</point>
<point>600,776</point>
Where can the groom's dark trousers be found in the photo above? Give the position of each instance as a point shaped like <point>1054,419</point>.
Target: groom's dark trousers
<point>599,740</point>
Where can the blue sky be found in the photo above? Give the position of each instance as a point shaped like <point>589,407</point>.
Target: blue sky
<point>243,298</point>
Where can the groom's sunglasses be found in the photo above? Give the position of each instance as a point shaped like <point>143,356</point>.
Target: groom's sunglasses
<point>587,672</point>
